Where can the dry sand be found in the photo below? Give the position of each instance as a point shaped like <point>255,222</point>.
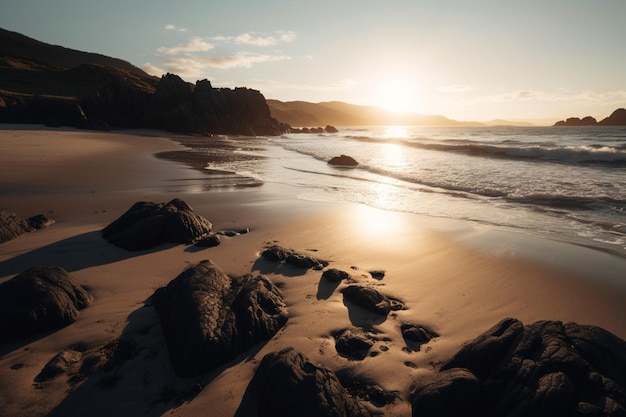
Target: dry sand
<point>458,279</point>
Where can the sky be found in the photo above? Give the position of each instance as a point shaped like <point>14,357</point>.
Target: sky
<point>466,60</point>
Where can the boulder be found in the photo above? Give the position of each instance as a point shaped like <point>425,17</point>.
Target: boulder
<point>353,343</point>
<point>335,275</point>
<point>148,224</point>
<point>12,225</point>
<point>330,129</point>
<point>343,160</point>
<point>617,118</point>
<point>208,318</point>
<point>39,299</point>
<point>547,368</point>
<point>289,384</point>
<point>279,254</point>
<point>371,299</point>
<point>415,335</point>
<point>209,241</point>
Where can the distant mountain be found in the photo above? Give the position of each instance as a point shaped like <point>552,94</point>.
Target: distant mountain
<point>617,118</point>
<point>302,113</point>
<point>53,85</point>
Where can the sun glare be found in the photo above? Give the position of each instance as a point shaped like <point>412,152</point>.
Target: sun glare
<point>397,93</point>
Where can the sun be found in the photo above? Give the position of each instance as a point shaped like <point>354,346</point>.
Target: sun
<point>397,93</point>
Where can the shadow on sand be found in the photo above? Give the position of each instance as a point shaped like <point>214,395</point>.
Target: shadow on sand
<point>137,377</point>
<point>74,253</point>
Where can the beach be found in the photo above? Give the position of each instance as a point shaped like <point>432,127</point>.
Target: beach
<point>456,278</point>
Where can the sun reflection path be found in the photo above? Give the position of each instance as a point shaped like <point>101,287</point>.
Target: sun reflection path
<point>398,132</point>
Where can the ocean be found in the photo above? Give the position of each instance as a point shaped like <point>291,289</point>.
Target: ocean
<point>561,183</point>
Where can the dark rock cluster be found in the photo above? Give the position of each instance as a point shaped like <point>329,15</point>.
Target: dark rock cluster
<point>371,299</point>
<point>39,299</point>
<point>617,118</point>
<point>327,129</point>
<point>547,368</point>
<point>146,225</point>
<point>208,318</point>
<point>12,225</point>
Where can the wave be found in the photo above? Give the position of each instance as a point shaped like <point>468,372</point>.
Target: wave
<point>582,154</point>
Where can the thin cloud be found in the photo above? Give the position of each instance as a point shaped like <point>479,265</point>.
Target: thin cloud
<point>455,88</point>
<point>169,26</point>
<point>196,44</point>
<point>152,69</point>
<point>589,96</point>
<point>248,38</point>
<point>239,60</point>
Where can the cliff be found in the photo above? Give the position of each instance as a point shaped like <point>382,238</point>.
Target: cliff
<point>52,85</point>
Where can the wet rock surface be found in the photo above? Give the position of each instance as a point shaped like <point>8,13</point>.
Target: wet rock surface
<point>208,318</point>
<point>39,299</point>
<point>146,225</point>
<point>547,368</point>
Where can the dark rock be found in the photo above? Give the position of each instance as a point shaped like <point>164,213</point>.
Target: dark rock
<point>415,335</point>
<point>39,299</point>
<point>209,318</point>
<point>278,254</point>
<point>544,369</point>
<point>371,299</point>
<point>335,275</point>
<point>450,393</point>
<point>12,225</point>
<point>343,160</point>
<point>58,365</point>
<point>330,129</point>
<point>377,274</point>
<point>353,343</point>
<point>289,384</point>
<point>148,224</point>
<point>209,241</point>
<point>617,118</point>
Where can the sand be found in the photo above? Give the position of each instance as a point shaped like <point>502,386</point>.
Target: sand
<point>457,278</point>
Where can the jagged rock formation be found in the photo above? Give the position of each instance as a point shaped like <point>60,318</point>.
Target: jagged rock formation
<point>289,384</point>
<point>39,299</point>
<point>56,86</point>
<point>208,318</point>
<point>547,368</point>
<point>146,225</point>
<point>12,225</point>
<point>617,118</point>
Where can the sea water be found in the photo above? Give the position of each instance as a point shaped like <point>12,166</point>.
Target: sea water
<point>563,183</point>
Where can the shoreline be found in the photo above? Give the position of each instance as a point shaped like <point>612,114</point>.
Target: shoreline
<point>457,278</point>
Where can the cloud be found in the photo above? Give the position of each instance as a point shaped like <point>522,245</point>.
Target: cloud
<point>152,69</point>
<point>239,60</point>
<point>196,44</point>
<point>248,38</point>
<point>169,26</point>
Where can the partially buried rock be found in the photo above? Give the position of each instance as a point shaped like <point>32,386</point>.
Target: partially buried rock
<point>353,343</point>
<point>12,225</point>
<point>209,241</point>
<point>547,368</point>
<point>343,160</point>
<point>335,275</point>
<point>279,254</point>
<point>371,299</point>
<point>39,299</point>
<point>289,384</point>
<point>415,335</point>
<point>148,224</point>
<point>208,318</point>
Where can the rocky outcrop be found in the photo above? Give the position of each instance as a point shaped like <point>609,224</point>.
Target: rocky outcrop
<point>12,225</point>
<point>39,299</point>
<point>280,254</point>
<point>335,275</point>
<point>371,299</point>
<point>547,368</point>
<point>343,160</point>
<point>146,225</point>
<point>288,384</point>
<point>208,318</point>
<point>353,343</point>
<point>617,118</point>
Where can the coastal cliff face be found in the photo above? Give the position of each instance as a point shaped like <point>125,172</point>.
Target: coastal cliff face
<point>56,86</point>
<point>617,118</point>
